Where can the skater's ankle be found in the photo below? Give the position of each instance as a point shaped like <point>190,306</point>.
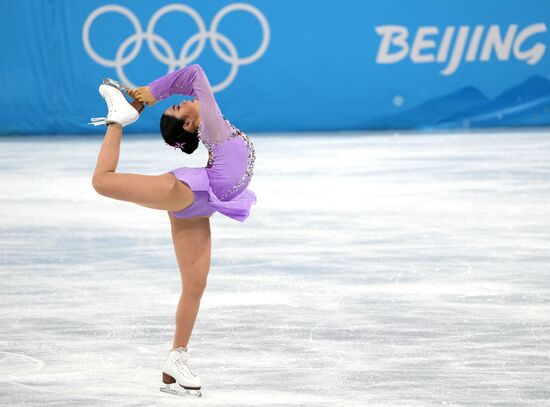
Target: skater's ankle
<point>184,348</point>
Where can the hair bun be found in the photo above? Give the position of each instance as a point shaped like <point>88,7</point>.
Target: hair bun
<point>174,135</point>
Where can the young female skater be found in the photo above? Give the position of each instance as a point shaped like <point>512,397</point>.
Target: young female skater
<point>189,195</point>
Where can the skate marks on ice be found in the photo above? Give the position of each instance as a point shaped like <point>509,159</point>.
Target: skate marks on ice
<point>26,375</point>
<point>380,270</point>
<point>15,371</point>
<point>13,365</point>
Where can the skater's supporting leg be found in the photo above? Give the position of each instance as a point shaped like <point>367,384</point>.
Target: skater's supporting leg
<point>186,316</point>
<point>192,244</point>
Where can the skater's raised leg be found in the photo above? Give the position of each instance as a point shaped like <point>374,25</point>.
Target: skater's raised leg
<point>153,191</point>
<point>107,160</point>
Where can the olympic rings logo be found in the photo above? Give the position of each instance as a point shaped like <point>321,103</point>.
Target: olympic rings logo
<point>168,57</point>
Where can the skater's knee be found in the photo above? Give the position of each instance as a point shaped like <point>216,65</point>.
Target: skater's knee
<point>100,182</point>
<point>194,288</point>
<point>97,182</point>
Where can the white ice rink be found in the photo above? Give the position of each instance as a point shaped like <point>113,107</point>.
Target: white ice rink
<point>375,270</point>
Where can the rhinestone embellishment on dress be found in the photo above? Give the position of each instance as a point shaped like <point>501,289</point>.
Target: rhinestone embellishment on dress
<point>235,132</point>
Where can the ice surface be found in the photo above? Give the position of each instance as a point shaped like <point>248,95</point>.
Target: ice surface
<point>375,270</point>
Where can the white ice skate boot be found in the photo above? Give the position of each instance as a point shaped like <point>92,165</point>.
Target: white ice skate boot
<point>175,370</point>
<point>120,110</point>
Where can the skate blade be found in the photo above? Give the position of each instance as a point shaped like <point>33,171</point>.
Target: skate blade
<point>181,391</point>
<point>116,84</point>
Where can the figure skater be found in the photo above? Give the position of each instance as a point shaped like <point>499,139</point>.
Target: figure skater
<point>189,195</point>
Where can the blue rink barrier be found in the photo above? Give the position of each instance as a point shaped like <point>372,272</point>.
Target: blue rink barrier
<point>283,65</point>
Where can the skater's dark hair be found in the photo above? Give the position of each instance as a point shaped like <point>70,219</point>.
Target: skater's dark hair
<point>174,135</point>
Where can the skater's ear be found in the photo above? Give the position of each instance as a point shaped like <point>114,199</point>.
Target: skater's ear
<point>190,126</point>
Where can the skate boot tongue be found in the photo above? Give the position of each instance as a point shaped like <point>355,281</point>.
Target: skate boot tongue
<point>183,355</point>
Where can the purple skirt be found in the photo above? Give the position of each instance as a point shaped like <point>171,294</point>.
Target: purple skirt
<point>206,202</point>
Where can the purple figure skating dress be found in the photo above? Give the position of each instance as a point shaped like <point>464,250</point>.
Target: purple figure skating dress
<point>222,185</point>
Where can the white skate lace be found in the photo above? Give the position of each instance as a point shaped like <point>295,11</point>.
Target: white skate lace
<point>97,121</point>
<point>182,361</point>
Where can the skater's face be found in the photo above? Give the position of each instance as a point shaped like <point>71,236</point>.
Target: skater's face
<point>188,112</point>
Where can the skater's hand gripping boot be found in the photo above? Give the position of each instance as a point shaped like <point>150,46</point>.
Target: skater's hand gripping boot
<point>143,94</point>
<point>120,110</point>
<point>139,106</point>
